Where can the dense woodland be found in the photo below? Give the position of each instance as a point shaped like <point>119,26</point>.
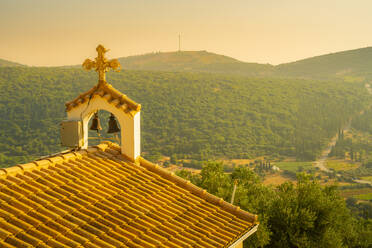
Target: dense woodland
<point>363,122</point>
<point>190,115</point>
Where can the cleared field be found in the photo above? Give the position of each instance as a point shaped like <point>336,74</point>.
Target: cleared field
<point>294,166</point>
<point>330,182</point>
<point>275,179</point>
<point>366,197</point>
<point>355,192</point>
<point>238,161</point>
<point>340,165</point>
<point>369,178</point>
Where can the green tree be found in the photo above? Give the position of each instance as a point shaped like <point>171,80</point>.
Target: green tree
<point>305,214</point>
<point>308,215</point>
<point>174,159</point>
<point>214,179</point>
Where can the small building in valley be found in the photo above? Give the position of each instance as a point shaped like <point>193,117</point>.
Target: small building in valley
<point>108,195</point>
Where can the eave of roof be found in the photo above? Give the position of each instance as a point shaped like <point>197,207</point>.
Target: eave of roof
<point>96,197</point>
<point>244,236</point>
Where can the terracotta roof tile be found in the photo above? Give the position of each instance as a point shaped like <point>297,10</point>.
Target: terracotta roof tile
<point>96,198</point>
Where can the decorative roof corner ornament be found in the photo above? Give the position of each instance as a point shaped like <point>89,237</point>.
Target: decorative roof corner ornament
<point>101,64</point>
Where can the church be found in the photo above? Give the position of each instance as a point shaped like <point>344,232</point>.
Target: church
<point>108,195</point>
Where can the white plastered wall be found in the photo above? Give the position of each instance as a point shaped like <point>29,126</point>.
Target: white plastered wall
<point>129,125</point>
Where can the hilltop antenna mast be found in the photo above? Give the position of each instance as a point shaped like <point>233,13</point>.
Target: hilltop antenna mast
<point>179,43</point>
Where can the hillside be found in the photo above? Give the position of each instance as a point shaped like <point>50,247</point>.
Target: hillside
<point>191,115</point>
<point>197,61</point>
<point>351,64</point>
<point>357,63</point>
<point>6,63</point>
<point>204,116</point>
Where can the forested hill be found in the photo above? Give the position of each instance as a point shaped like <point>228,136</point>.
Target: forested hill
<point>356,63</point>
<point>6,63</point>
<point>197,61</point>
<point>190,115</point>
<point>352,64</point>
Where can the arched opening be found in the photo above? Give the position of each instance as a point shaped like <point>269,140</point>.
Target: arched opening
<point>96,137</point>
<point>128,122</point>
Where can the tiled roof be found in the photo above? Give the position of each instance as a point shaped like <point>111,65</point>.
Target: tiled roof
<point>106,90</point>
<point>97,198</point>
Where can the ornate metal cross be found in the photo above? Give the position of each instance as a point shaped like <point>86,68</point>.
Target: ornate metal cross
<point>101,64</point>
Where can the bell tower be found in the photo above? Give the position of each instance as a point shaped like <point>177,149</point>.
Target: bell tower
<point>74,131</point>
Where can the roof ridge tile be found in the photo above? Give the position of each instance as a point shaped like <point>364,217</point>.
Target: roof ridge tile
<point>105,91</point>
<point>12,171</point>
<point>43,163</point>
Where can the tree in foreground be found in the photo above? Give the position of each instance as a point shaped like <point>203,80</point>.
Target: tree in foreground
<point>308,215</point>
<point>304,214</point>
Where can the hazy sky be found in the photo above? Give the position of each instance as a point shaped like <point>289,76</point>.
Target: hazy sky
<point>62,32</point>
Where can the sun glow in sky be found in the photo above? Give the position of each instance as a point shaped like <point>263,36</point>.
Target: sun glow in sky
<point>65,32</point>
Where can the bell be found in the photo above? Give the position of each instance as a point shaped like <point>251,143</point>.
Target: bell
<point>113,126</point>
<point>96,125</point>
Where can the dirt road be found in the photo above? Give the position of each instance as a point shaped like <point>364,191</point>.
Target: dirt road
<point>320,163</point>
<point>363,181</point>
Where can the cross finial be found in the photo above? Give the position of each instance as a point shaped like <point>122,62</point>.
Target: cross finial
<point>101,64</point>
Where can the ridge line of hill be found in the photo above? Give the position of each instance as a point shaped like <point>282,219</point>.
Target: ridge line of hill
<point>354,63</point>
<point>7,63</point>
